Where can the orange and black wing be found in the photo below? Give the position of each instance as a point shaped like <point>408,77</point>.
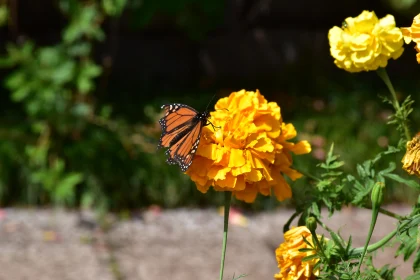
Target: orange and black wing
<point>183,151</point>
<point>181,131</point>
<point>177,120</point>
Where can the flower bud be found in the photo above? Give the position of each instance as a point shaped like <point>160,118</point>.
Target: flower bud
<point>377,195</point>
<point>311,224</point>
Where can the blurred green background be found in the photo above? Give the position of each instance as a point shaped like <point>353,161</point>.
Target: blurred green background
<point>83,82</point>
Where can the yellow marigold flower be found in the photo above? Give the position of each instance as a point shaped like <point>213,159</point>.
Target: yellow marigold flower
<point>290,258</point>
<point>248,151</point>
<point>413,34</point>
<point>365,43</point>
<point>411,159</point>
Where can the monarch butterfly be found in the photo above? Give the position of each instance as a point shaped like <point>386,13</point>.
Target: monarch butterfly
<point>181,132</point>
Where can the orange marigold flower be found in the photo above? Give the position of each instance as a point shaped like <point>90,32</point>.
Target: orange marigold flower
<point>248,151</point>
<point>411,159</point>
<point>413,34</point>
<point>290,258</point>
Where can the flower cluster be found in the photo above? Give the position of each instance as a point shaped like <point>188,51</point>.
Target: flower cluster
<point>248,150</point>
<point>413,34</point>
<point>290,258</point>
<point>411,159</point>
<point>365,43</point>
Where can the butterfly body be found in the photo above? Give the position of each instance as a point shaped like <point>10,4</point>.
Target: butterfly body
<point>181,132</point>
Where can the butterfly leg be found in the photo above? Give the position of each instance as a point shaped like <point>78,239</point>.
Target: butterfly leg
<point>214,127</point>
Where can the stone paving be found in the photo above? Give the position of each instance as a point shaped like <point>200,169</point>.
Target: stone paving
<point>182,244</point>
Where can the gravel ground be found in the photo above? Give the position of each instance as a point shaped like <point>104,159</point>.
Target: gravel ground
<point>182,244</point>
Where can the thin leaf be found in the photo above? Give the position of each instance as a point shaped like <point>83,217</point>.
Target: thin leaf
<point>416,262</point>
<point>397,178</point>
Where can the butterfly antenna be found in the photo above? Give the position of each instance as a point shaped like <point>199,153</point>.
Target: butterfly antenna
<point>208,104</point>
<point>214,127</point>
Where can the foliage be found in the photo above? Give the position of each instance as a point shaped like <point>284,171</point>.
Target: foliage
<point>363,186</point>
<point>60,144</point>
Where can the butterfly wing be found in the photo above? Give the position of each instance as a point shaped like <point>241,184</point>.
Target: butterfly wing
<point>178,118</point>
<point>181,131</point>
<point>183,151</point>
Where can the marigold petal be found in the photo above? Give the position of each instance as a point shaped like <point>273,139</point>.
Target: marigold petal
<point>254,161</point>
<point>244,169</point>
<point>288,131</point>
<point>264,145</point>
<point>208,151</point>
<point>236,158</point>
<point>204,187</point>
<point>200,167</point>
<point>411,159</point>
<point>281,189</point>
<point>300,148</point>
<point>230,182</point>
<point>266,171</point>
<point>264,187</point>
<point>248,195</point>
<point>413,34</point>
<point>253,176</point>
<point>291,173</point>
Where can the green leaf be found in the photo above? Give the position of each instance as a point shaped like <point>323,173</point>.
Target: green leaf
<point>69,6</point>
<point>307,243</point>
<point>106,111</point>
<point>58,166</point>
<point>16,80</point>
<point>336,238</point>
<point>361,191</point>
<point>84,23</point>
<point>332,174</point>
<point>391,167</point>
<point>20,94</point>
<point>413,277</point>
<point>416,262</point>
<point>88,71</point>
<point>87,200</point>
<point>411,183</point>
<point>80,49</point>
<point>308,258</point>
<point>407,247</point>
<point>336,164</point>
<point>315,209</point>
<point>65,187</point>
<point>4,15</point>
<point>49,56</point>
<point>82,109</point>
<point>63,73</point>
<point>114,7</point>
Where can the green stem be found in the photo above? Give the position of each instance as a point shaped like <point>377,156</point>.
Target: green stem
<point>307,174</point>
<point>286,226</point>
<point>317,243</point>
<point>372,226</point>
<point>384,76</point>
<point>375,246</point>
<point>388,213</point>
<point>323,225</point>
<point>228,196</point>
<point>377,197</point>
